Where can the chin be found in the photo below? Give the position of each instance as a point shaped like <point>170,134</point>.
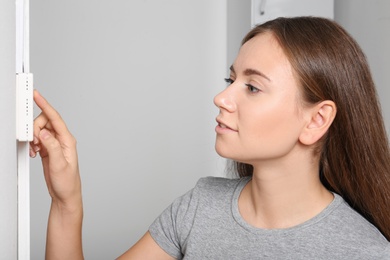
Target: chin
<point>221,152</point>
<point>227,154</point>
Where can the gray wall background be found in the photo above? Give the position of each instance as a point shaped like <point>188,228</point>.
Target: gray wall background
<point>369,24</point>
<point>135,81</point>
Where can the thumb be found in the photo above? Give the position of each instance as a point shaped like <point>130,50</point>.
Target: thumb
<point>57,161</point>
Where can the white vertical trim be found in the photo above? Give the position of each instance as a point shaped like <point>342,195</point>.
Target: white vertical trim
<point>22,36</point>
<point>23,159</point>
<point>23,201</point>
<point>8,167</point>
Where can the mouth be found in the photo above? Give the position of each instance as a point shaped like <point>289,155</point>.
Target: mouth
<point>222,127</point>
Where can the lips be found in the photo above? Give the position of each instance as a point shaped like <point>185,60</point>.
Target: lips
<point>223,127</point>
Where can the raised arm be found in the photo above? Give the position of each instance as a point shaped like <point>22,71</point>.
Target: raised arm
<point>57,148</point>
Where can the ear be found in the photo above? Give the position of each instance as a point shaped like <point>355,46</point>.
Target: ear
<point>320,118</point>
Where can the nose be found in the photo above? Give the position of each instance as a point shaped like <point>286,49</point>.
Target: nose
<point>226,100</point>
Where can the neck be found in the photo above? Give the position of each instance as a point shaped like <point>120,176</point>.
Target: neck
<point>283,196</point>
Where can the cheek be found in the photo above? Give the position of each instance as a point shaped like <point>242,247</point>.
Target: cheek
<point>273,128</point>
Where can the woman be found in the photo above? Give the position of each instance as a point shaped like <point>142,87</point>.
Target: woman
<point>301,122</point>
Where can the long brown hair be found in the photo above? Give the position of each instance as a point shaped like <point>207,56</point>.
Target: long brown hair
<point>354,154</point>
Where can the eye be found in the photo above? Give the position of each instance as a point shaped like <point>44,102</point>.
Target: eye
<point>252,89</point>
<point>229,81</point>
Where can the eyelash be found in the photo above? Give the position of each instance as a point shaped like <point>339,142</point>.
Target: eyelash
<point>229,81</point>
<point>251,88</point>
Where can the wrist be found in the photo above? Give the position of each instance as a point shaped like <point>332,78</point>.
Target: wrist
<point>64,231</point>
<point>70,207</point>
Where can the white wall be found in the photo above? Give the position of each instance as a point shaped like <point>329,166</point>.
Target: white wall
<point>8,171</point>
<point>369,23</point>
<point>238,24</point>
<point>135,82</point>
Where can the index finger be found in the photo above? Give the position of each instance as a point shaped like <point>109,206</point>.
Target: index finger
<point>51,115</point>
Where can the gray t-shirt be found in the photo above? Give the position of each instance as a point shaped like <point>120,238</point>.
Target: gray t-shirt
<point>205,223</point>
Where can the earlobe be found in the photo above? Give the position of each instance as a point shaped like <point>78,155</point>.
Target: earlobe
<point>321,118</point>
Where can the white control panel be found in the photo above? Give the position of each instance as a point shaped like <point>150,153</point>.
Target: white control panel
<point>24,107</point>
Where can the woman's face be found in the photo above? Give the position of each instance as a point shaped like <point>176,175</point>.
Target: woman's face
<point>260,112</point>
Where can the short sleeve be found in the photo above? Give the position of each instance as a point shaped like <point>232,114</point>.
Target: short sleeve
<point>185,218</point>
<point>167,230</point>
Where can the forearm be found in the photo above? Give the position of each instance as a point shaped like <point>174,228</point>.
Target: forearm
<point>64,232</point>
<point>57,148</point>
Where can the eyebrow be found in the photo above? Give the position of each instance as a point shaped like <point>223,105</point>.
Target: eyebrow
<point>248,72</point>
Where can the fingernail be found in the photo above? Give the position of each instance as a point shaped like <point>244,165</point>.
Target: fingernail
<point>44,134</point>
<point>36,149</point>
<point>35,140</point>
<point>32,154</point>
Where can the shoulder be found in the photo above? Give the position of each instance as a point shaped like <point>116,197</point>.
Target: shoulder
<point>211,196</point>
<point>349,228</point>
<point>217,187</point>
<point>352,221</point>
<point>218,183</point>
<point>207,190</point>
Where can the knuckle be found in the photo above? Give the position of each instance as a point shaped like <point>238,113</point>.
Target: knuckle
<point>52,144</point>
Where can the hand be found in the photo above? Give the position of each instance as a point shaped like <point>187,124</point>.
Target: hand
<point>57,148</point>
